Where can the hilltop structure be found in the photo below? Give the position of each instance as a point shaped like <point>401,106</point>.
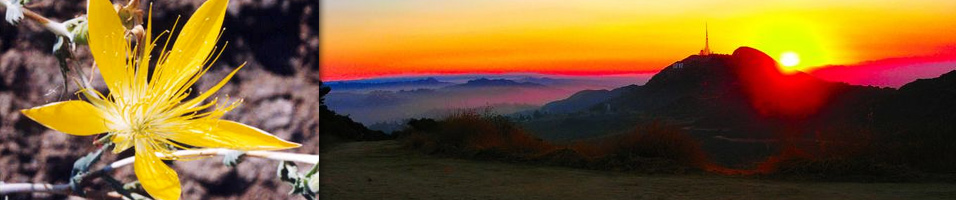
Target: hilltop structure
<point>706,50</point>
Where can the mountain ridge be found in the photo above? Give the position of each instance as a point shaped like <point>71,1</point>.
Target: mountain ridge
<point>485,82</point>
<point>724,99</point>
<point>728,78</point>
<point>741,91</point>
<point>357,85</point>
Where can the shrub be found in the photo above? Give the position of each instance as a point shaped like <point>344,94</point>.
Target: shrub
<point>838,153</point>
<point>470,134</point>
<point>928,148</point>
<point>652,148</point>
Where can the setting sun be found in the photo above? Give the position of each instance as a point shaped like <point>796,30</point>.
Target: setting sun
<point>789,59</point>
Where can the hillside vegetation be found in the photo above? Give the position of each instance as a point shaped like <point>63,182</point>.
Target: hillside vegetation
<point>388,170</point>
<point>653,148</point>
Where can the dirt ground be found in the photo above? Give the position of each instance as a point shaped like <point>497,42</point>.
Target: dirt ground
<point>383,170</point>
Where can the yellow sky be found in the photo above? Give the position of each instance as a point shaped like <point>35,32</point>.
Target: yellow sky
<point>366,38</point>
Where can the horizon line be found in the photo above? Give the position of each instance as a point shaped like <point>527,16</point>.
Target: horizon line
<point>479,73</point>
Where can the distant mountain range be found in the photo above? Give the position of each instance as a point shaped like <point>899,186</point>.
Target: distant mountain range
<point>385,103</point>
<point>436,81</point>
<point>484,82</point>
<point>429,82</point>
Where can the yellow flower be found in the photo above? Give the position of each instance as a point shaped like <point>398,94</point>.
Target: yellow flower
<point>154,115</point>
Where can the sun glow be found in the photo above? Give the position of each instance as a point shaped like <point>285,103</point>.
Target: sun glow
<point>783,37</point>
<point>789,59</point>
<point>363,39</point>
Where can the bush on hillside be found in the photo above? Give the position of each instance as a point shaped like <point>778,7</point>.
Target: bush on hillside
<point>651,148</point>
<point>840,153</point>
<point>471,134</point>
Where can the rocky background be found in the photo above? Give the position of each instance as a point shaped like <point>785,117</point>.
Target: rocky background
<point>278,41</point>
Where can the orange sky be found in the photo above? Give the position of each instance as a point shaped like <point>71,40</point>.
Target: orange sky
<point>370,38</point>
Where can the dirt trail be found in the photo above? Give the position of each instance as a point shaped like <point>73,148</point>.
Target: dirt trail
<point>382,170</point>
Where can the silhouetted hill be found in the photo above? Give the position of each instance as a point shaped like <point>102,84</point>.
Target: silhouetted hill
<point>919,123</point>
<point>922,100</point>
<point>729,91</point>
<point>335,128</point>
<point>720,98</point>
<point>582,100</point>
<point>684,87</point>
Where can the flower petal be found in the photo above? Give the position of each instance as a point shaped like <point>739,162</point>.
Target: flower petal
<point>71,117</point>
<point>159,180</point>
<point>232,135</point>
<point>194,43</point>
<point>122,142</point>
<point>108,44</point>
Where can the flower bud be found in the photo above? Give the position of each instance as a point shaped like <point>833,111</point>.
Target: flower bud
<point>78,29</point>
<point>137,32</point>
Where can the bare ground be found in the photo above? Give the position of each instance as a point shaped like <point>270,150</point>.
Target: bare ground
<point>384,170</point>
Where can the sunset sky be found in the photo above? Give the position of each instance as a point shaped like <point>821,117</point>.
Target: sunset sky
<point>372,38</point>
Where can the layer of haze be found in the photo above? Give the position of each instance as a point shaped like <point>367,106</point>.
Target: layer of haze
<point>372,38</point>
<point>392,102</point>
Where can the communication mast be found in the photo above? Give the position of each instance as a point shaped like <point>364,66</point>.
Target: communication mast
<point>706,50</point>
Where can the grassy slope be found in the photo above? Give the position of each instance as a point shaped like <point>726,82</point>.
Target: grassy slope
<point>383,170</point>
